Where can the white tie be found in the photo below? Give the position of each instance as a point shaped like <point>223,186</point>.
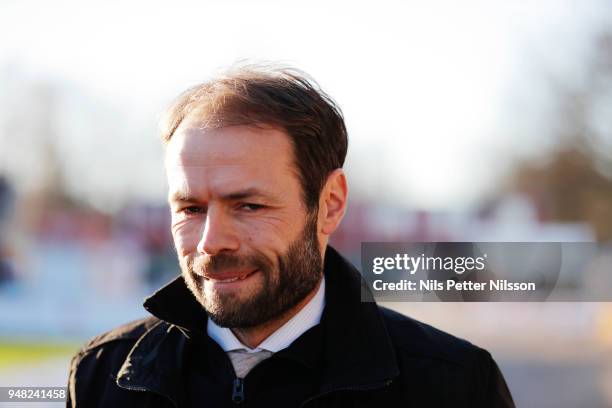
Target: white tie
<point>243,361</point>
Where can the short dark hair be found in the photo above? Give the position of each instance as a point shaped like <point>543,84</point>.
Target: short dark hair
<point>282,97</point>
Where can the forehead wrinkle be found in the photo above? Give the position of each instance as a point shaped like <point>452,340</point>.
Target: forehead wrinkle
<point>195,158</point>
<point>191,181</point>
<point>190,185</point>
<point>188,160</point>
<point>182,195</point>
<point>232,158</point>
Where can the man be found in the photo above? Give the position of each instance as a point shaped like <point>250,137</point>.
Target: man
<point>265,313</point>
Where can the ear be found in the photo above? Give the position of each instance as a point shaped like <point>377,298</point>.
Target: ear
<point>332,202</point>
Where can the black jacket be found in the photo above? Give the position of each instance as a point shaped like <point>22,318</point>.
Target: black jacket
<point>361,355</point>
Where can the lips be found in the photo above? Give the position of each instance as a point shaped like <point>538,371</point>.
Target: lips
<point>229,276</point>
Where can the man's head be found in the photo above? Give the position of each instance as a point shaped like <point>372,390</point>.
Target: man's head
<point>254,163</point>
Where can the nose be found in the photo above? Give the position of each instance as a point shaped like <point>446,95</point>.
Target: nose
<point>218,234</point>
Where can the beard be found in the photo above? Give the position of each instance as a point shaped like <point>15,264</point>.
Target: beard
<point>280,288</point>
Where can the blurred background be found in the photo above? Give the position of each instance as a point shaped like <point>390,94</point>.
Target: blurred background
<point>468,121</point>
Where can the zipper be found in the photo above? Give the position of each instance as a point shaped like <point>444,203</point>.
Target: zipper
<point>368,387</point>
<point>238,391</point>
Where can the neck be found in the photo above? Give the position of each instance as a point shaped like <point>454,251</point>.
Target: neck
<point>254,336</point>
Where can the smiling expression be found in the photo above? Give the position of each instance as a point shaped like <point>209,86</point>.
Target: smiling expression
<point>246,243</point>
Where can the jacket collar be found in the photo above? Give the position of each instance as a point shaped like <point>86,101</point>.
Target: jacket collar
<point>357,348</point>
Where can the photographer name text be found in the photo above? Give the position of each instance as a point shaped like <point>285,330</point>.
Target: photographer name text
<point>451,284</point>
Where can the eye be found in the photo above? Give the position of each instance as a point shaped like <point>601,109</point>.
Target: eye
<point>192,210</point>
<point>250,207</point>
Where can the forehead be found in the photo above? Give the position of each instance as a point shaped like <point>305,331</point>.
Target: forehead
<point>228,157</point>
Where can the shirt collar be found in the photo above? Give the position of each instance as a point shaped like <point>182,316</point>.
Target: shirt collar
<point>308,317</point>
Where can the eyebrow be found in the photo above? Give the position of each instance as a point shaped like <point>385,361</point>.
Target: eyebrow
<point>233,196</point>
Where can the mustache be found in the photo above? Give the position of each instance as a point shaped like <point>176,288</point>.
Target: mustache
<point>209,265</point>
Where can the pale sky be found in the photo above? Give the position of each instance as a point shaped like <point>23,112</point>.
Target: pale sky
<point>439,97</point>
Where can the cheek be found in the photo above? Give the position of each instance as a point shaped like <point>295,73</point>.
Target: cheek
<point>260,235</point>
<point>271,239</point>
<point>186,236</point>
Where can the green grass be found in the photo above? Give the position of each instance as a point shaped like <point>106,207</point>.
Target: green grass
<point>14,352</point>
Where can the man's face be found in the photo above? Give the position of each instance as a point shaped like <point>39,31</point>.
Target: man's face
<point>246,244</point>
